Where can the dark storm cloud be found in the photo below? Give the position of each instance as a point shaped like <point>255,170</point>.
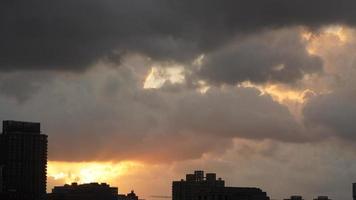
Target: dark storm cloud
<point>73,34</point>
<point>274,56</point>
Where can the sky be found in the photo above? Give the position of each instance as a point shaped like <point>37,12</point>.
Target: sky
<point>138,93</point>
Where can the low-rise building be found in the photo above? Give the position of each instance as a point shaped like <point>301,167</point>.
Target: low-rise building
<point>200,187</point>
<point>129,196</point>
<point>295,197</point>
<point>91,191</point>
<point>322,198</point>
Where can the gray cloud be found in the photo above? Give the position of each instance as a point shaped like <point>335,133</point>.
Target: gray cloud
<point>335,111</point>
<point>157,126</point>
<point>235,113</point>
<point>273,56</point>
<point>21,86</point>
<point>123,121</point>
<point>72,35</point>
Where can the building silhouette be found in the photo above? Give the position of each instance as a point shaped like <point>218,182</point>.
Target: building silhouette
<point>200,187</point>
<point>23,161</point>
<point>1,174</point>
<point>295,197</point>
<point>90,191</point>
<point>129,196</point>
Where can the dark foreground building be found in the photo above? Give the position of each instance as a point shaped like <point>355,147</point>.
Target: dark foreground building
<point>200,187</point>
<point>23,161</point>
<point>90,191</point>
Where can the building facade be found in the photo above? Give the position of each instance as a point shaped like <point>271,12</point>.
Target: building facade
<point>0,178</point>
<point>200,187</point>
<point>23,161</point>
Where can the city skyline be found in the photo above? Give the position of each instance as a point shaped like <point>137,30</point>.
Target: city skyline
<point>148,90</point>
<point>23,169</point>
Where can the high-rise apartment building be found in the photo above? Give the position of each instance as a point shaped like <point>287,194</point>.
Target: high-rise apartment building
<point>23,161</point>
<point>0,178</point>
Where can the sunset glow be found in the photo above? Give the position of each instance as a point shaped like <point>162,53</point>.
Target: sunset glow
<point>87,172</point>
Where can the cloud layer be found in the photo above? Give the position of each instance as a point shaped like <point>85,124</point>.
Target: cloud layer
<point>124,121</point>
<point>72,35</point>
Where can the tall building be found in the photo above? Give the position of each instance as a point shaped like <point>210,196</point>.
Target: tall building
<point>0,178</point>
<point>200,187</point>
<point>90,191</point>
<point>23,160</point>
<point>354,191</point>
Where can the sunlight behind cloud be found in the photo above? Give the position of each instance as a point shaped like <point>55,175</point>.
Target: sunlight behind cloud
<point>338,31</point>
<point>159,75</point>
<point>278,92</point>
<point>336,34</point>
<point>292,98</point>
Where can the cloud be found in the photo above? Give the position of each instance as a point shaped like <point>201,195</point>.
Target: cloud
<point>21,86</point>
<point>72,35</point>
<point>272,56</point>
<point>335,111</point>
<point>333,108</point>
<point>105,114</point>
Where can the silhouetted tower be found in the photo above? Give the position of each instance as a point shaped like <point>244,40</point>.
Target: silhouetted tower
<point>23,160</point>
<point>354,191</point>
<point>0,177</point>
